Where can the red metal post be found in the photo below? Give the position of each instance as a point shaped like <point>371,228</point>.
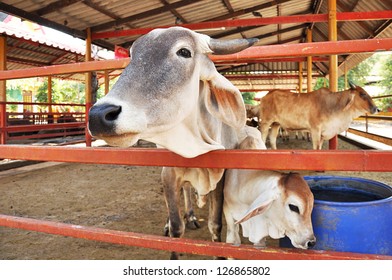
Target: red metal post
<point>309,63</point>
<point>3,90</point>
<point>333,60</point>
<point>88,88</point>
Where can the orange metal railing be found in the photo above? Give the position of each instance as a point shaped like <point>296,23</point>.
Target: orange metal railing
<point>282,160</point>
<point>42,123</point>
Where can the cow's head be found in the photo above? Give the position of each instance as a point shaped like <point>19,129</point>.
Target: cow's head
<point>286,210</point>
<point>157,97</point>
<point>360,101</point>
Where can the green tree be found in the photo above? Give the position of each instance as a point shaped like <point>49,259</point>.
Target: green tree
<point>385,104</point>
<point>249,98</point>
<point>356,75</point>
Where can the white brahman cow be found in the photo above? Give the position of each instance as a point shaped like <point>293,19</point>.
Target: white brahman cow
<point>171,94</point>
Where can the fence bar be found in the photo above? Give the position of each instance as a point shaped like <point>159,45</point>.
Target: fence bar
<point>181,245</point>
<point>348,160</point>
<point>257,52</point>
<point>346,16</point>
<point>307,49</point>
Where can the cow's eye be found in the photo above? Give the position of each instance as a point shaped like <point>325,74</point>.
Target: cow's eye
<point>294,208</point>
<point>184,53</point>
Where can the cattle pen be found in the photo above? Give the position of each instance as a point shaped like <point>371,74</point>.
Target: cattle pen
<point>331,160</point>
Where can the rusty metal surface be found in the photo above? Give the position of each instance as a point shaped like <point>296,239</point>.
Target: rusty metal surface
<point>181,245</point>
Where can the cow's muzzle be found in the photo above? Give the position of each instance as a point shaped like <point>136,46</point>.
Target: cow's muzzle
<point>311,243</point>
<point>102,119</point>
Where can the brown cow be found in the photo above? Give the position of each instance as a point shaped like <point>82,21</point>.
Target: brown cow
<point>322,112</point>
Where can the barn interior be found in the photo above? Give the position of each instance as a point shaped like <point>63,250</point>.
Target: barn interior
<point>286,28</point>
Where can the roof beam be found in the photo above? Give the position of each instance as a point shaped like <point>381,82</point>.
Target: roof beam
<point>48,23</point>
<point>174,12</point>
<point>302,18</point>
<point>55,6</point>
<point>266,76</point>
<point>103,11</point>
<point>284,30</point>
<point>249,10</point>
<point>145,14</point>
<point>363,25</point>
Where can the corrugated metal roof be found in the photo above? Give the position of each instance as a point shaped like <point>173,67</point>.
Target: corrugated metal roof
<point>75,17</point>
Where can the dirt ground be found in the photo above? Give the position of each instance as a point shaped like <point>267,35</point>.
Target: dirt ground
<point>123,198</point>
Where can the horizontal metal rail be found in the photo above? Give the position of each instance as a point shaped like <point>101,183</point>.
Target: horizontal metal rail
<point>182,245</point>
<point>43,103</point>
<point>38,127</point>
<point>372,136</point>
<point>347,16</point>
<point>376,117</point>
<point>349,160</point>
<point>253,53</point>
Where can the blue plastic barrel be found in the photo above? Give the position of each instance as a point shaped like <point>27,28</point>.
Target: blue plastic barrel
<point>351,214</point>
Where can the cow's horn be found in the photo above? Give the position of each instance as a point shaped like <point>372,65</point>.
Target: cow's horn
<point>352,85</point>
<point>230,46</point>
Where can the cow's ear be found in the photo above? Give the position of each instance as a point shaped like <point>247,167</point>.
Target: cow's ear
<point>225,102</point>
<point>258,207</point>
<point>349,102</point>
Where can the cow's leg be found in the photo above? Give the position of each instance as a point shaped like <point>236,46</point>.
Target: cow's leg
<point>273,135</point>
<point>232,233</point>
<point>216,211</point>
<point>190,218</point>
<point>264,128</point>
<point>171,188</point>
<point>316,139</point>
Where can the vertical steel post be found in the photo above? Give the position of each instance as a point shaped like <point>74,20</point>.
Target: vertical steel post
<point>3,90</point>
<point>333,59</point>
<point>88,77</point>
<point>50,94</point>
<point>300,78</point>
<point>345,75</point>
<point>106,81</point>
<point>309,62</point>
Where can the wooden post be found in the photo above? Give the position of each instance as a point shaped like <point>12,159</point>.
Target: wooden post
<point>309,62</point>
<point>345,75</point>
<point>106,81</point>
<point>3,90</point>
<point>300,79</point>
<point>50,99</point>
<point>333,59</point>
<point>88,78</point>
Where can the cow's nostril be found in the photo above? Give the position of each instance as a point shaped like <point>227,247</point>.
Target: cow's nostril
<point>112,113</point>
<point>102,118</point>
<point>311,244</point>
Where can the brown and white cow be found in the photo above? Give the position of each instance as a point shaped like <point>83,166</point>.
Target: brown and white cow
<point>267,203</point>
<point>322,112</point>
<point>171,94</point>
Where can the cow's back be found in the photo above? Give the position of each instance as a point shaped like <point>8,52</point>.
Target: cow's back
<point>289,109</point>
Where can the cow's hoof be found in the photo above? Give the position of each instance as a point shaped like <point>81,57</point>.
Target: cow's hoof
<point>166,229</point>
<point>174,256</point>
<point>191,222</point>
